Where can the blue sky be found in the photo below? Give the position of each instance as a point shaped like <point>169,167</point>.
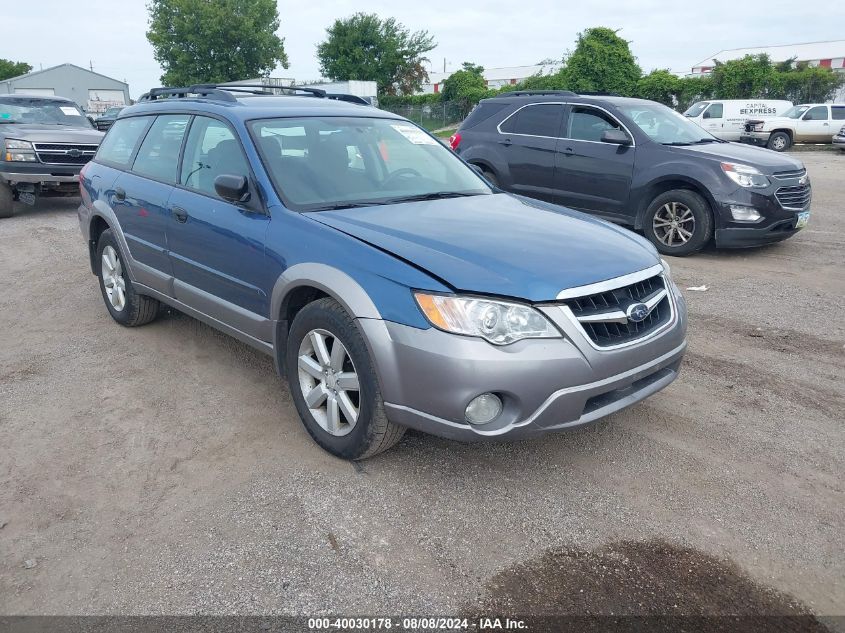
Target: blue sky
<point>663,34</point>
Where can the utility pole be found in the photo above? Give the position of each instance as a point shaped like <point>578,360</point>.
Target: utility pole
<point>91,65</point>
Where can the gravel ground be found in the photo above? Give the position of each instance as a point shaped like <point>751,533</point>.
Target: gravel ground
<point>163,470</point>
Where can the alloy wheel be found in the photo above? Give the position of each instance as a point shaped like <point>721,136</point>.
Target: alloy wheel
<point>779,144</point>
<point>113,281</point>
<point>674,224</point>
<point>329,382</point>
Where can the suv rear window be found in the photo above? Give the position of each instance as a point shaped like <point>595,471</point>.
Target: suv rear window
<point>538,120</point>
<point>158,157</point>
<point>121,140</point>
<point>482,112</point>
<point>838,113</point>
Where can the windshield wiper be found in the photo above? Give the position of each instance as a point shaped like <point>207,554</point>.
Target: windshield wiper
<point>434,195</point>
<point>702,141</point>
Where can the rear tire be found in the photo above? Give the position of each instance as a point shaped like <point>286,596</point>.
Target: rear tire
<point>678,222</point>
<point>124,304</point>
<point>779,142</point>
<point>337,381</point>
<point>7,200</point>
<point>491,178</point>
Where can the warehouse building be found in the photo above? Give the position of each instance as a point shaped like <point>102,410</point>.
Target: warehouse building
<point>92,91</point>
<point>493,77</point>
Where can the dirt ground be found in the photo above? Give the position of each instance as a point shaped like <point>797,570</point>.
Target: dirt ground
<point>163,470</point>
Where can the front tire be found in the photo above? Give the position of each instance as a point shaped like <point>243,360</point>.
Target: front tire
<point>779,141</point>
<point>334,385</point>
<point>678,222</point>
<point>124,304</point>
<point>7,200</point>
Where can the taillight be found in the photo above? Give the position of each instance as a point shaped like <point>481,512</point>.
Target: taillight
<point>455,140</point>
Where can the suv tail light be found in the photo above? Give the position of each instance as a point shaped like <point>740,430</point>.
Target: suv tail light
<point>455,140</point>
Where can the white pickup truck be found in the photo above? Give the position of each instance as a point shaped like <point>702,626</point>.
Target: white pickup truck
<point>805,123</point>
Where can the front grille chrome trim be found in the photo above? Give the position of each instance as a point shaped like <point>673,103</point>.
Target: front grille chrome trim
<point>610,284</point>
<point>618,316</point>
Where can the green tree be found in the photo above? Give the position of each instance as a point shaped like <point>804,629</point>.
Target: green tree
<point>807,84</point>
<point>659,85</point>
<point>692,89</point>
<point>365,47</point>
<point>466,86</point>
<point>753,76</point>
<point>9,69</point>
<point>601,62</point>
<point>198,41</point>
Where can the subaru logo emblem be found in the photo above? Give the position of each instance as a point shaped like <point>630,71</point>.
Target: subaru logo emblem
<point>637,312</point>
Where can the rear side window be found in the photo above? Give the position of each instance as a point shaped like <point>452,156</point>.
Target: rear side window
<point>538,120</point>
<point>588,124</point>
<point>819,113</point>
<point>481,113</point>
<point>838,113</point>
<point>121,140</point>
<point>159,154</point>
<point>212,150</point>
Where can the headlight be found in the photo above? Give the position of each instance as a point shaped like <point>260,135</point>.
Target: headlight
<point>498,322</point>
<point>19,151</point>
<point>745,175</point>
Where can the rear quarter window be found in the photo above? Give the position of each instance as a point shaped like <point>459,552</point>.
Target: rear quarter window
<point>481,113</point>
<point>121,140</point>
<point>838,113</point>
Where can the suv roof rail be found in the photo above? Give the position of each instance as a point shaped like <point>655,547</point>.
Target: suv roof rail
<point>223,92</point>
<point>527,93</point>
<point>599,94</point>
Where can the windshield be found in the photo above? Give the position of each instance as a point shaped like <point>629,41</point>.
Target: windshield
<point>112,112</point>
<point>42,112</point>
<point>795,112</point>
<point>696,108</point>
<point>664,125</point>
<point>336,162</point>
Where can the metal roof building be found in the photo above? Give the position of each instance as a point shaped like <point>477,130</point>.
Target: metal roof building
<point>494,77</point>
<point>830,54</point>
<point>92,91</point>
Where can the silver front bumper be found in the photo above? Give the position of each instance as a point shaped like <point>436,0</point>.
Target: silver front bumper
<point>428,377</point>
<point>45,179</point>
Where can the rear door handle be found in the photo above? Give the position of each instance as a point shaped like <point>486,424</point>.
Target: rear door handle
<point>180,214</point>
<point>505,142</point>
<point>567,151</point>
<point>119,194</point>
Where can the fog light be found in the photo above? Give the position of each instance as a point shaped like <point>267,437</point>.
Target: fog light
<point>745,214</point>
<point>484,409</point>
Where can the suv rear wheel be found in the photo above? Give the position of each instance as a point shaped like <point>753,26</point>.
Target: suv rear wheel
<point>678,222</point>
<point>334,385</point>
<point>7,200</point>
<point>125,305</point>
<point>779,141</point>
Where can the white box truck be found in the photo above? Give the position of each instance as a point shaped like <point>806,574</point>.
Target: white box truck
<point>725,118</point>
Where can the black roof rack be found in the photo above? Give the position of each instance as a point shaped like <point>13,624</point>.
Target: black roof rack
<point>223,92</point>
<point>339,96</point>
<point>527,93</point>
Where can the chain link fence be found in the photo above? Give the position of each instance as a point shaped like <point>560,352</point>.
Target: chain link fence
<point>432,116</point>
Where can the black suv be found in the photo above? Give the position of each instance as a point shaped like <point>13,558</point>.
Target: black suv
<point>638,163</point>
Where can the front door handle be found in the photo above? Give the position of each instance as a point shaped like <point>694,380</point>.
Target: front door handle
<point>119,194</point>
<point>506,142</point>
<point>180,214</point>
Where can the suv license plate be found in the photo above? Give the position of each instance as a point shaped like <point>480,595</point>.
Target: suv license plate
<point>802,220</point>
<point>27,197</point>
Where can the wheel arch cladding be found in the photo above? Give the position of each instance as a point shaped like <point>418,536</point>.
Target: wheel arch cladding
<point>660,187</point>
<point>97,225</point>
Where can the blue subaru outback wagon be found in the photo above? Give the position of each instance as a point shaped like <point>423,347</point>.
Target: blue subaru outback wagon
<point>393,286</point>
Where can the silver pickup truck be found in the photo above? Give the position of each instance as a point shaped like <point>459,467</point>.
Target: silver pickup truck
<point>44,143</point>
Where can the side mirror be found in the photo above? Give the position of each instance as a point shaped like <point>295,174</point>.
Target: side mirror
<point>232,188</point>
<point>617,137</point>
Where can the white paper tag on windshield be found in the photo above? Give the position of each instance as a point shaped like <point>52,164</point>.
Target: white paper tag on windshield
<point>69,111</point>
<point>414,134</point>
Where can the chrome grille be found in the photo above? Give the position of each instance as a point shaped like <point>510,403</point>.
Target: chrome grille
<point>797,197</point>
<point>64,153</point>
<point>789,175</point>
<point>604,319</point>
